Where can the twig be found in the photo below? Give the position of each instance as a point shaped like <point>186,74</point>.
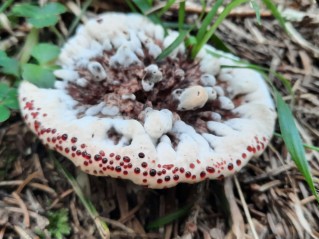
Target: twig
<point>26,216</point>
<point>246,210</point>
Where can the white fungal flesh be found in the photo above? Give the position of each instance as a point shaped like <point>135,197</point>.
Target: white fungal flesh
<point>208,80</point>
<point>191,98</point>
<point>161,138</point>
<point>97,70</point>
<point>152,76</point>
<point>158,123</point>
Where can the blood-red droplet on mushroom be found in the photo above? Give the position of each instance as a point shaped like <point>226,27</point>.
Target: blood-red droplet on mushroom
<point>141,155</point>
<point>97,157</point>
<point>118,169</point>
<point>230,166</point>
<point>152,172</point>
<point>210,169</point>
<point>137,170</point>
<point>74,140</point>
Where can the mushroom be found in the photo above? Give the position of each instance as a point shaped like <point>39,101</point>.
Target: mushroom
<point>117,112</point>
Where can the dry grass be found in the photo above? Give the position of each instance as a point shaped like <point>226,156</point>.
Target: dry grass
<point>267,199</point>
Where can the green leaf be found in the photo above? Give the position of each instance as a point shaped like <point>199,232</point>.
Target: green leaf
<point>40,22</point>
<point>39,76</point>
<point>25,10</point>
<point>9,66</point>
<point>39,17</point>
<point>4,89</point>
<point>272,7</point>
<point>58,223</point>
<point>53,8</point>
<point>4,113</point>
<point>172,46</point>
<point>169,217</point>
<point>293,141</point>
<point>256,8</point>
<point>11,99</point>
<point>3,54</point>
<point>45,53</point>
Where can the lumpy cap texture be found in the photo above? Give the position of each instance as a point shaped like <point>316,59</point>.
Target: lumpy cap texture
<point>210,123</point>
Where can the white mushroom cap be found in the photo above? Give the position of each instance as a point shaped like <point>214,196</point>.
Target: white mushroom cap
<point>162,146</point>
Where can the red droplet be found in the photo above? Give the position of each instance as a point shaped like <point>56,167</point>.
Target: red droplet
<point>167,178</point>
<point>152,172</point>
<point>126,159</point>
<point>249,149</point>
<point>238,162</point>
<point>117,157</point>
<point>118,169</point>
<point>144,164</point>
<point>230,167</point>
<point>97,157</point>
<point>137,170</point>
<point>159,181</point>
<point>175,177</point>
<point>64,137</point>
<point>188,174</point>
<point>74,139</point>
<point>141,155</point>
<point>192,165</point>
<point>210,169</point>
<point>244,155</point>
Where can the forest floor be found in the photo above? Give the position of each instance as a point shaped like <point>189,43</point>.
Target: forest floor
<point>269,198</point>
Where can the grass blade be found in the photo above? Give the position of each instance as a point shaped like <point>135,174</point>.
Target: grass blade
<point>168,4</point>
<point>77,19</point>
<point>213,28</point>
<point>293,141</point>
<point>274,11</point>
<point>131,5</point>
<point>207,20</point>
<point>256,8</point>
<point>169,218</point>
<point>101,226</point>
<point>311,147</point>
<point>172,46</point>
<point>181,16</point>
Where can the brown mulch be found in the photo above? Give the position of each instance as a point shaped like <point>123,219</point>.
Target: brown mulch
<point>269,198</point>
